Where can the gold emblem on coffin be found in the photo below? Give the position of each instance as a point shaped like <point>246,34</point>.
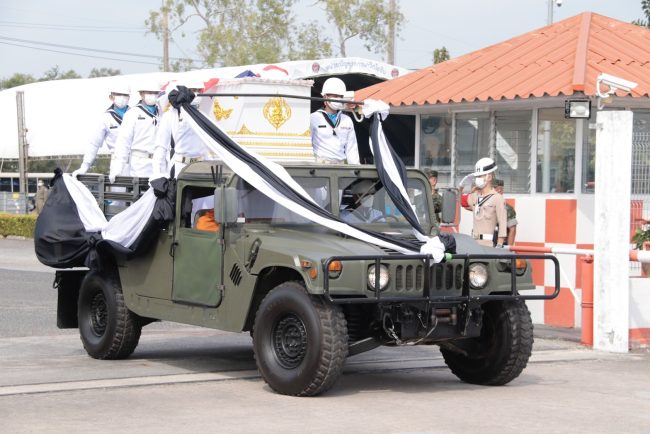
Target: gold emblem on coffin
<point>277,111</point>
<point>219,112</point>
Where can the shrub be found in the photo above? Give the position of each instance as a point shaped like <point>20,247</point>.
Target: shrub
<point>17,224</point>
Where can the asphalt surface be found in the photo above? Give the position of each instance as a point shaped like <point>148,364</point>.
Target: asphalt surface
<point>189,379</point>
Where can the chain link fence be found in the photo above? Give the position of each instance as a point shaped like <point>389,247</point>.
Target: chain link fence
<point>640,205</point>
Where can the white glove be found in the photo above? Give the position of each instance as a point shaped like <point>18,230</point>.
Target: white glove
<point>111,178</point>
<point>435,248</point>
<point>80,171</point>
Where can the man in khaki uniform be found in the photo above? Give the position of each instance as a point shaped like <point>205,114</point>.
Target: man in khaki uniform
<point>510,213</point>
<point>487,206</point>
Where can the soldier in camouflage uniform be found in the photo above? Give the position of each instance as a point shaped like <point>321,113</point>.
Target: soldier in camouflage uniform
<point>511,214</point>
<point>437,197</point>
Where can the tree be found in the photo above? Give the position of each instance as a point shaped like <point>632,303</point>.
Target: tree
<point>55,73</point>
<point>238,32</point>
<point>440,55</point>
<point>103,72</point>
<point>17,79</point>
<point>367,20</point>
<point>644,22</point>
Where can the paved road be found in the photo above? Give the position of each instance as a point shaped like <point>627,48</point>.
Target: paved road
<point>188,379</point>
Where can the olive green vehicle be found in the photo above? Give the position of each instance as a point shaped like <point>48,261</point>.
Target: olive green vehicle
<point>310,297</point>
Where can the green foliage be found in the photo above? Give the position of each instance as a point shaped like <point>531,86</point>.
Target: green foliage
<point>17,224</point>
<point>104,72</point>
<point>55,73</point>
<point>239,32</point>
<point>367,20</point>
<point>644,22</point>
<point>440,55</point>
<point>641,235</point>
<point>17,79</point>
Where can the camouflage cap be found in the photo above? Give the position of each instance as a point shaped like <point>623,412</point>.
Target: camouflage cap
<point>431,173</point>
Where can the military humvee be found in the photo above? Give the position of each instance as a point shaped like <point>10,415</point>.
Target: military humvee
<point>310,297</point>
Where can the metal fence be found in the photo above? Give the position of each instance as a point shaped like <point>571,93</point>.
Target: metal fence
<point>640,205</point>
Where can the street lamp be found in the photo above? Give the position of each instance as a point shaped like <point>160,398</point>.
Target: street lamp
<point>577,109</point>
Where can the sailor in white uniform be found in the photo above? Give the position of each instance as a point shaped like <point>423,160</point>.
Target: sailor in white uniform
<point>106,130</point>
<point>187,146</point>
<point>136,139</point>
<point>332,132</point>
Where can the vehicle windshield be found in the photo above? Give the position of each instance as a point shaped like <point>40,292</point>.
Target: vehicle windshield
<point>255,207</point>
<point>361,201</point>
<point>366,201</point>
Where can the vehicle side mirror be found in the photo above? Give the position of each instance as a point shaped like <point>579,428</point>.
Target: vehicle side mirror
<point>225,204</point>
<point>449,206</point>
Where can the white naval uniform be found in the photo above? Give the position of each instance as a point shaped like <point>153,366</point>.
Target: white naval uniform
<point>336,143</point>
<point>105,132</point>
<point>135,143</point>
<point>187,144</point>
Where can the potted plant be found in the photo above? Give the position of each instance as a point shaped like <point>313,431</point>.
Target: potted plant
<point>642,240</point>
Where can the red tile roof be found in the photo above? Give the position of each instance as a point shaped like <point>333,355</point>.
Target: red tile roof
<point>560,59</point>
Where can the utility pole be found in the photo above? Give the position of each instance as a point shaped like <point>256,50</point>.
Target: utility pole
<point>165,26</point>
<point>22,146</point>
<point>392,8</point>
<point>549,16</point>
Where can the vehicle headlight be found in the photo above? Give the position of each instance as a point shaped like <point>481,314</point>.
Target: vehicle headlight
<point>384,277</point>
<point>478,275</point>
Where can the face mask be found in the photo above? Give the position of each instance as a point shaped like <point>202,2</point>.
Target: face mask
<point>335,105</point>
<point>480,182</point>
<point>150,98</point>
<point>121,101</point>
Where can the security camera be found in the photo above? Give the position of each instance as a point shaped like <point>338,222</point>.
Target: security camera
<point>558,3</point>
<point>614,83</point>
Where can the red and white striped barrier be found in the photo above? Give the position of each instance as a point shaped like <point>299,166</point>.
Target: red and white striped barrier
<point>642,256</point>
<point>587,265</point>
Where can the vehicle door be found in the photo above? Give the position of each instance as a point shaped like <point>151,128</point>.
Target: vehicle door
<point>197,249</point>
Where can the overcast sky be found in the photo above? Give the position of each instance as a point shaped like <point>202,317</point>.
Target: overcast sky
<point>118,25</point>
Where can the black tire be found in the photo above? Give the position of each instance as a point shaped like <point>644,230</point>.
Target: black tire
<point>108,329</point>
<point>300,341</point>
<point>502,351</point>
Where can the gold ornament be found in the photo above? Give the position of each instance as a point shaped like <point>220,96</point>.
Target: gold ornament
<point>219,112</point>
<point>277,111</point>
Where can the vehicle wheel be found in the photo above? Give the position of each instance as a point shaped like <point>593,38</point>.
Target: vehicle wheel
<point>300,341</point>
<point>501,352</point>
<point>108,329</point>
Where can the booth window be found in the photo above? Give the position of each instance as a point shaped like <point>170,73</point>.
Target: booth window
<point>556,137</point>
<point>435,145</point>
<point>512,153</point>
<point>588,156</point>
<point>472,141</point>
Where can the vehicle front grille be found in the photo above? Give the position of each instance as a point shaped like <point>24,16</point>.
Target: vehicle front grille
<point>409,278</point>
<point>447,276</point>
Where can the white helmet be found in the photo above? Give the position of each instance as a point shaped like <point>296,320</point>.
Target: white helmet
<point>120,88</point>
<point>149,86</point>
<point>333,86</point>
<point>193,84</point>
<point>484,166</point>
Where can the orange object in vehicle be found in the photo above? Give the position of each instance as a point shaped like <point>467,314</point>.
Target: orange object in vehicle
<point>206,222</point>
